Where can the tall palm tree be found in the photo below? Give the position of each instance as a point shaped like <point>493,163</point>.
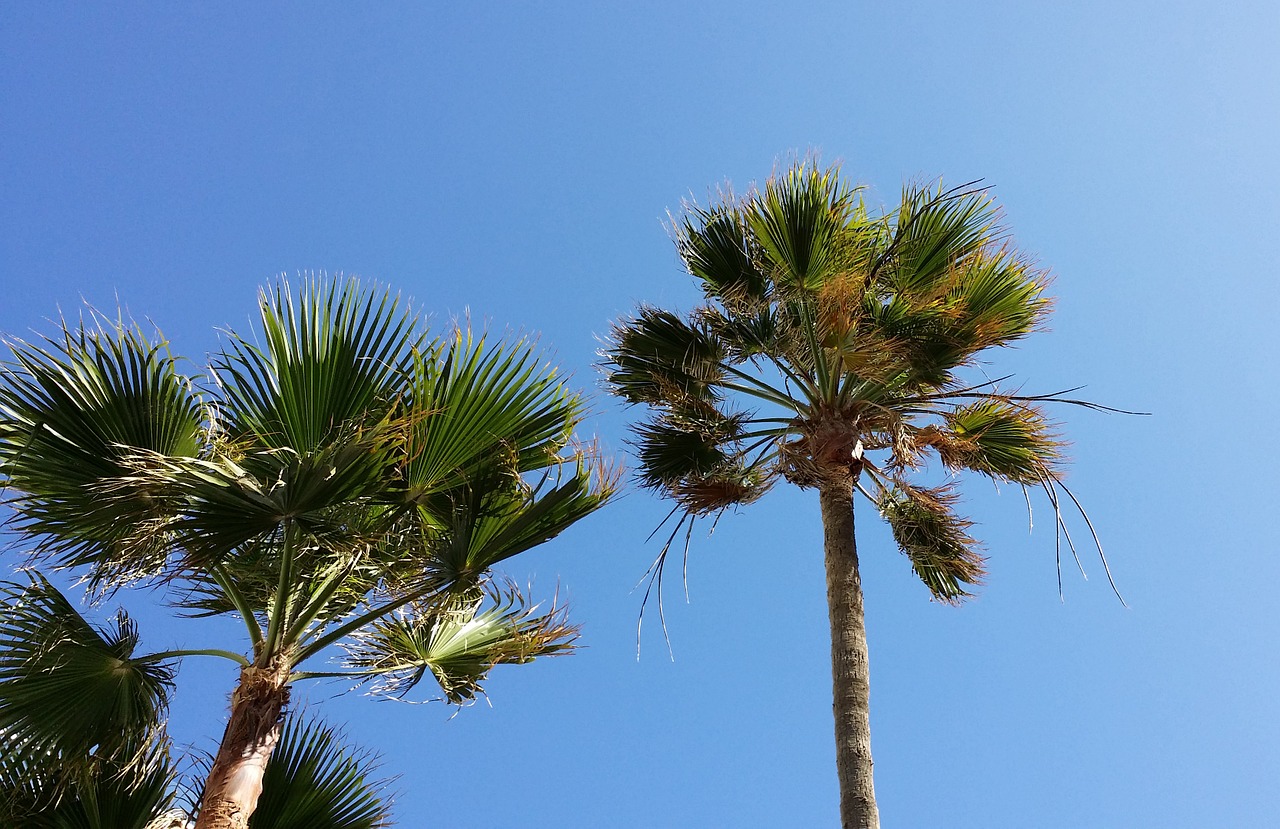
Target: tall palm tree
<point>831,352</point>
<point>341,483</point>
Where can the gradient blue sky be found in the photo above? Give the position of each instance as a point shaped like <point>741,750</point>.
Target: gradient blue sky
<point>516,162</point>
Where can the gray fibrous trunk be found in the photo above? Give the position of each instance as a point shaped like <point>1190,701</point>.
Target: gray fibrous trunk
<point>850,678</point>
<point>253,729</point>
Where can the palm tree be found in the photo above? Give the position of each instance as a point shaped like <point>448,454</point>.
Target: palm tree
<point>343,485</point>
<point>831,352</point>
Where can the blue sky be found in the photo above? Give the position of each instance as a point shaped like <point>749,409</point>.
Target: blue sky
<point>517,161</point>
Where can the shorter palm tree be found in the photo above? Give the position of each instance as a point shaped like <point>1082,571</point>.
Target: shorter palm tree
<point>835,351</point>
<point>106,762</point>
<point>343,488</point>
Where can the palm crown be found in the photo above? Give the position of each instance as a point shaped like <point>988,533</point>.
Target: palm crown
<point>344,480</point>
<point>835,340</point>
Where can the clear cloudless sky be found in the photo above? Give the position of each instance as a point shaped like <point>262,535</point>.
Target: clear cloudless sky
<point>516,162</point>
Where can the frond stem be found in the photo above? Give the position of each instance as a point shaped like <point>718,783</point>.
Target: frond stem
<point>279,617</point>
<point>237,658</point>
<point>241,604</point>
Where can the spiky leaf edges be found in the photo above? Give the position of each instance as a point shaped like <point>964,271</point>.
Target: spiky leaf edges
<point>717,249</point>
<point>999,298</point>
<point>458,641</point>
<point>659,358</point>
<point>935,539</point>
<point>999,438</point>
<point>470,529</point>
<point>225,502</point>
<point>333,355</point>
<point>68,689</point>
<point>797,220</point>
<point>698,462</point>
<point>478,406</point>
<point>70,411</point>
<point>314,781</point>
<point>935,231</point>
<point>42,792</point>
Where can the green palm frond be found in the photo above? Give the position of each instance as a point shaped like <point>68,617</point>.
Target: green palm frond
<point>798,221</point>
<point>828,328</point>
<point>314,781</point>
<point>934,538</point>
<point>999,296</point>
<point>71,410</point>
<point>476,405</point>
<point>226,502</point>
<point>458,641</point>
<point>936,229</point>
<point>492,518</point>
<point>998,438</point>
<point>659,358</point>
<point>675,445</point>
<point>42,792</point>
<point>69,689</point>
<point>717,249</point>
<point>336,355</point>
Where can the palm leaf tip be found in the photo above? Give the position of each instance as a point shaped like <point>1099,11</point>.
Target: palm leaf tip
<point>716,248</point>
<point>935,539</point>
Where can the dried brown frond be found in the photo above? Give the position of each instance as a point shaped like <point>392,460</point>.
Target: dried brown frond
<point>952,450</point>
<point>935,538</point>
<point>704,496</point>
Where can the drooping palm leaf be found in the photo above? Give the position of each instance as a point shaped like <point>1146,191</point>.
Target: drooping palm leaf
<point>661,359</point>
<point>50,655</point>
<point>935,539</point>
<point>494,517</point>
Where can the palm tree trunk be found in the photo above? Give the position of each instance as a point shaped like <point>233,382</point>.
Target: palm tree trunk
<point>850,679</point>
<point>253,729</point>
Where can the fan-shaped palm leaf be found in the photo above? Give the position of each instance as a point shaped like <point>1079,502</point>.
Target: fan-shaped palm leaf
<point>477,405</point>
<point>314,781</point>
<point>71,411</point>
<point>104,797</point>
<point>49,655</point>
<point>334,356</point>
<point>458,642</point>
